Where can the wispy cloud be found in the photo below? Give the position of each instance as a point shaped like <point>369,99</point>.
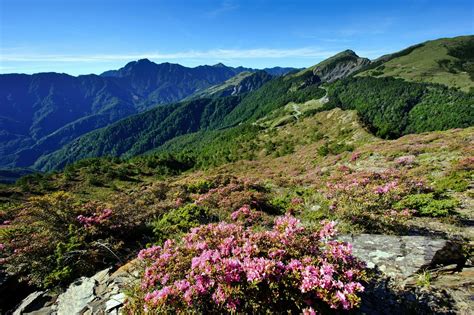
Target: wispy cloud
<point>371,27</point>
<point>225,6</point>
<point>223,54</point>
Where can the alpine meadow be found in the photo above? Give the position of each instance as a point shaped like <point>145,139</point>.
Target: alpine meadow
<point>236,157</point>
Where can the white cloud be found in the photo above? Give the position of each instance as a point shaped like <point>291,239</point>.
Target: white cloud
<point>221,54</point>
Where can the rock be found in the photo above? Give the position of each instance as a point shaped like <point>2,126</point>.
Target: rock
<point>115,302</point>
<point>402,256</point>
<point>38,302</point>
<point>12,292</point>
<point>340,66</point>
<point>102,276</point>
<point>102,293</point>
<point>76,297</point>
<point>396,260</point>
<point>28,302</point>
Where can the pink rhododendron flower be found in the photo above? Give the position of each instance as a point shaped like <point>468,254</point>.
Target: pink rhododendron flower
<point>405,160</point>
<point>96,218</point>
<point>309,311</point>
<point>227,267</point>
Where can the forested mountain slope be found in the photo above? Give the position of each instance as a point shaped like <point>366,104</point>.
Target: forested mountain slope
<point>42,112</point>
<point>388,107</point>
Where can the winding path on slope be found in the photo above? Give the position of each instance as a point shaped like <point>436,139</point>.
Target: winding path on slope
<point>296,107</point>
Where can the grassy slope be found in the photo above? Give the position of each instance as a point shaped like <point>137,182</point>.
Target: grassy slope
<point>235,80</point>
<point>421,65</point>
<point>435,154</point>
<point>343,55</point>
<point>305,168</point>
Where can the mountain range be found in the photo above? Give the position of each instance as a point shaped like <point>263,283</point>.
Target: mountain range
<point>49,120</point>
<point>42,112</point>
<point>102,167</point>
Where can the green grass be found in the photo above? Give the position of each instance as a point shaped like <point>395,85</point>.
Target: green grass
<point>221,87</point>
<point>425,64</point>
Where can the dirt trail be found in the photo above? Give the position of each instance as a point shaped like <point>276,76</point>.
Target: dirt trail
<point>296,109</point>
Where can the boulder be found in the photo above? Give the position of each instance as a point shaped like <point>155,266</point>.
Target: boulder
<point>402,256</point>
<point>102,293</point>
<point>77,297</point>
<point>27,303</point>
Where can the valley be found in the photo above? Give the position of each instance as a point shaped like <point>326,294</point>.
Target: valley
<point>225,195</point>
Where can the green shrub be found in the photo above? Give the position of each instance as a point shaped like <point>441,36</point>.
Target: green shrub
<point>438,208</point>
<point>334,148</point>
<point>323,150</point>
<point>56,237</point>
<point>200,186</point>
<point>456,181</point>
<point>181,220</point>
<point>429,204</point>
<point>281,203</point>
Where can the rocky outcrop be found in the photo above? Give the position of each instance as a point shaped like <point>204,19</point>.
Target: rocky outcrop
<point>393,262</point>
<point>102,293</point>
<point>414,275</point>
<point>403,256</point>
<point>340,66</point>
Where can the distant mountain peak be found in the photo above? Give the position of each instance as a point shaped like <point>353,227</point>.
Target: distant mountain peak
<point>219,65</point>
<point>348,52</point>
<point>144,61</point>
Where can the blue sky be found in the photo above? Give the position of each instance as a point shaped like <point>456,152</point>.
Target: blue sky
<point>91,36</point>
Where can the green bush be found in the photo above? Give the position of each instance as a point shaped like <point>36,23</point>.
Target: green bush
<point>457,181</point>
<point>429,204</point>
<point>438,208</point>
<point>57,237</point>
<point>334,148</point>
<point>181,220</point>
<point>200,186</point>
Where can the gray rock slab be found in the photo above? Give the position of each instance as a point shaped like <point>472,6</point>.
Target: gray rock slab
<point>30,299</point>
<point>397,256</point>
<point>77,297</point>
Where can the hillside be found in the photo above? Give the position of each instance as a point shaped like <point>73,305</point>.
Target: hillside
<point>243,82</point>
<point>274,160</point>
<point>322,166</point>
<point>388,107</point>
<point>151,129</point>
<point>41,113</point>
<point>447,61</point>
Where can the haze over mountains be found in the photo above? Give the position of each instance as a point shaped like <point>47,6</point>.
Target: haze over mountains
<point>45,118</point>
<point>42,112</point>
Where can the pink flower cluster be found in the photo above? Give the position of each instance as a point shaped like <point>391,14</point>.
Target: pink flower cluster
<point>96,218</point>
<point>227,267</point>
<point>380,190</point>
<point>245,214</point>
<point>405,160</point>
<point>355,156</point>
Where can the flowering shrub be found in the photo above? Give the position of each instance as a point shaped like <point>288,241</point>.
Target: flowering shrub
<point>231,195</point>
<point>245,215</point>
<point>405,160</point>
<point>55,238</point>
<point>371,199</point>
<point>96,218</point>
<point>230,268</point>
<point>180,220</point>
